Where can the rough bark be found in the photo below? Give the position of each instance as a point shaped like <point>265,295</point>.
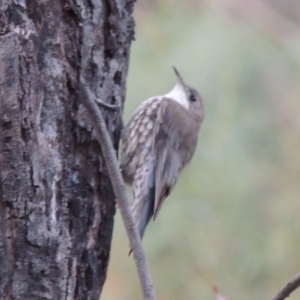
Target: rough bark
<point>56,200</point>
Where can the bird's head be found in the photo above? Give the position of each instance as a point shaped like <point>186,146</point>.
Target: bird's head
<point>187,96</point>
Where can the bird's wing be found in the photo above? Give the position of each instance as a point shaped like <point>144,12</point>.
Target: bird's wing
<point>173,145</point>
<point>137,138</point>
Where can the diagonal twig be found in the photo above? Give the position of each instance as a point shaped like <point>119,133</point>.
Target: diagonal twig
<point>108,151</point>
<point>291,286</point>
<point>106,105</point>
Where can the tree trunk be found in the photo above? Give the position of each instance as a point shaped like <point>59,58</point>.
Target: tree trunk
<point>56,201</point>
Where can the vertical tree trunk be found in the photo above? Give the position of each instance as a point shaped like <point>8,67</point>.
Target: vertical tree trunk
<point>56,201</point>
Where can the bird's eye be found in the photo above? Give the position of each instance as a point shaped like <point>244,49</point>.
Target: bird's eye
<point>193,97</point>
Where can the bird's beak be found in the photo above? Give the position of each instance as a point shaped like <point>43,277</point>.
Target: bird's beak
<point>179,78</point>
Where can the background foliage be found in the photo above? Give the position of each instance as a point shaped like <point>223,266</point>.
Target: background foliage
<point>233,219</point>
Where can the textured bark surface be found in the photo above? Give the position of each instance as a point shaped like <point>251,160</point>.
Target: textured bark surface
<point>56,201</point>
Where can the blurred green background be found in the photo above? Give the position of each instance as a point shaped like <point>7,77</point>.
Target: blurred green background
<point>234,217</point>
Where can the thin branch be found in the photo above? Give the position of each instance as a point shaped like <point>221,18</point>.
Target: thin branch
<point>119,189</point>
<point>291,286</point>
<point>106,105</point>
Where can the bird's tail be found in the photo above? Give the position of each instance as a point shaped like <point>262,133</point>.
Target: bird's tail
<point>144,197</point>
<point>147,211</point>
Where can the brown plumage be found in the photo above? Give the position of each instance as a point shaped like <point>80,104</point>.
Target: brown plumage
<point>157,143</point>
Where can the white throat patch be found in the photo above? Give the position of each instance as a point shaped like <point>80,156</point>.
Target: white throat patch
<point>178,94</point>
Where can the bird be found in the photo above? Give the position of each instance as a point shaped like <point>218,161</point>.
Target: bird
<point>157,143</point>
